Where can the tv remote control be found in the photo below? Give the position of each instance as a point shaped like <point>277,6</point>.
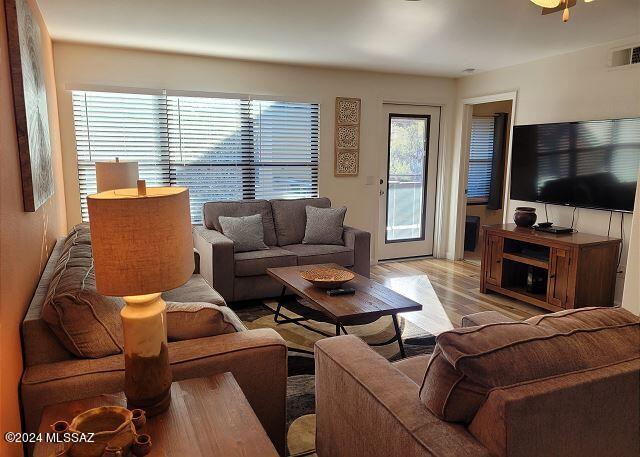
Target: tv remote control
<point>342,291</point>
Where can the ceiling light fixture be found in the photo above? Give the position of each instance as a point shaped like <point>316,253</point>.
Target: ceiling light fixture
<point>552,6</point>
<point>547,3</point>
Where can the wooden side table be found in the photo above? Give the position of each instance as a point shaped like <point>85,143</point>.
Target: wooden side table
<point>208,417</point>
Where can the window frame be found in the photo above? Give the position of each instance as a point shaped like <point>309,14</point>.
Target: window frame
<point>484,199</point>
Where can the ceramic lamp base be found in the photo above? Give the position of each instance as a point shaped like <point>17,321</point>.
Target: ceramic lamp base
<point>147,371</point>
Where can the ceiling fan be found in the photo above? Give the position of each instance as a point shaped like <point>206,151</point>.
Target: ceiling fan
<point>552,6</point>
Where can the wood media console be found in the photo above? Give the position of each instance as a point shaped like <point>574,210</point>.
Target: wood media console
<point>554,272</point>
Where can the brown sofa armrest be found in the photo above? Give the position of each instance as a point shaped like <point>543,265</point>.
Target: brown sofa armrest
<point>360,242</point>
<point>257,359</point>
<point>484,318</point>
<point>216,260</point>
<point>367,407</point>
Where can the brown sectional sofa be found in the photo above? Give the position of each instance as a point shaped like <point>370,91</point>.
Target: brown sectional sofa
<point>242,276</point>
<point>582,400</point>
<point>257,359</point>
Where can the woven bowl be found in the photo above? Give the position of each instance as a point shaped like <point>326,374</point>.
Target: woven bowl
<point>327,278</point>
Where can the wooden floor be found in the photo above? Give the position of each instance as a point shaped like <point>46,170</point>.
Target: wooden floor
<point>447,290</point>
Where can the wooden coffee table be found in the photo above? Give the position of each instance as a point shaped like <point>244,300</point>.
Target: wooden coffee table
<point>370,302</point>
<point>207,416</point>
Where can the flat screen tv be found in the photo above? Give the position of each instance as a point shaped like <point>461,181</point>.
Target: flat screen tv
<point>591,164</point>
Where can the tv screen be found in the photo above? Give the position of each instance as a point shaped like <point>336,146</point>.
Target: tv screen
<point>591,164</point>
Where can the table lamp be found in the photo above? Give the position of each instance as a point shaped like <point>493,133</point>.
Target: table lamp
<point>142,246</point>
<point>116,175</point>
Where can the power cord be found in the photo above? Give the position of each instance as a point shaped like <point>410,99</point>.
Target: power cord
<point>546,214</point>
<point>609,229</point>
<point>621,242</point>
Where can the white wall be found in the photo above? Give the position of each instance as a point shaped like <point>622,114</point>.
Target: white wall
<point>570,87</point>
<point>77,65</point>
<point>631,296</point>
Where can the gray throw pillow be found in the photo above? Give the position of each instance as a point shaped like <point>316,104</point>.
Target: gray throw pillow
<point>324,225</point>
<point>246,232</point>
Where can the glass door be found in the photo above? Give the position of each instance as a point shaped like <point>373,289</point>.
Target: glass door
<point>408,190</point>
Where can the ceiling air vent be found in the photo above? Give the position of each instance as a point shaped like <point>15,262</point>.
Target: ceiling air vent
<point>622,57</point>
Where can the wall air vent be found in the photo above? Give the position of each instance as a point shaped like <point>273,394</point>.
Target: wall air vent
<point>623,57</point>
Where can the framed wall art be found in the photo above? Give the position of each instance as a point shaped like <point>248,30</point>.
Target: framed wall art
<point>30,104</point>
<point>347,136</point>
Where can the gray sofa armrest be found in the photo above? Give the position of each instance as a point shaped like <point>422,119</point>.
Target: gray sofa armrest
<point>367,407</point>
<point>216,260</point>
<point>484,318</point>
<point>360,242</point>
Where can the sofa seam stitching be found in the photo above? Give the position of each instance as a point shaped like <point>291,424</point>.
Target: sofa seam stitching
<point>539,338</point>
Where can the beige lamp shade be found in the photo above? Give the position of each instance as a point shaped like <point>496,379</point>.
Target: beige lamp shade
<point>116,175</point>
<point>141,244</point>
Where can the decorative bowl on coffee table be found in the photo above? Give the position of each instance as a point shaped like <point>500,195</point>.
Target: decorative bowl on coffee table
<point>327,278</point>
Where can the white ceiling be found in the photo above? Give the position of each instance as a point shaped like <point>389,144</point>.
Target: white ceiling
<point>436,37</point>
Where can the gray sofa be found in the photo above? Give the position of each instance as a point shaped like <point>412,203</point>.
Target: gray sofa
<point>242,276</point>
<point>257,359</point>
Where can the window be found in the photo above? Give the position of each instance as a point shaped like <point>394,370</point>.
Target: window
<point>480,158</point>
<point>129,126</point>
<point>220,148</point>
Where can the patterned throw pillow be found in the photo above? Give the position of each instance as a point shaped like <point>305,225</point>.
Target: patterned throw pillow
<point>246,232</point>
<point>324,225</point>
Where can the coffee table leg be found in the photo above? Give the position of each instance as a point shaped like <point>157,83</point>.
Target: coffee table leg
<point>275,316</point>
<point>398,335</point>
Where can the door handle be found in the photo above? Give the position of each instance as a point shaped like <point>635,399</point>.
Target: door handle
<point>381,192</point>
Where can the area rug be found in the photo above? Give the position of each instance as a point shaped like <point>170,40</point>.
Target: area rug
<point>300,341</point>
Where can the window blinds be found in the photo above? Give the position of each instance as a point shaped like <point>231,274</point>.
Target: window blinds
<point>128,126</point>
<point>220,148</point>
<point>480,157</point>
<point>285,139</point>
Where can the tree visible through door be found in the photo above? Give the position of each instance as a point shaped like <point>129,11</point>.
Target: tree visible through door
<point>407,168</point>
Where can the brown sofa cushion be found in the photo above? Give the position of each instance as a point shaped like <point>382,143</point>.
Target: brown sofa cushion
<point>309,254</point>
<point>468,362</point>
<point>213,210</point>
<point>187,321</point>
<point>290,218</point>
<point>87,323</point>
<point>255,263</point>
<point>593,412</point>
<point>413,367</point>
<point>194,290</point>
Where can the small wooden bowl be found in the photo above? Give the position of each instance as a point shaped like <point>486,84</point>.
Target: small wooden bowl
<point>327,278</point>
